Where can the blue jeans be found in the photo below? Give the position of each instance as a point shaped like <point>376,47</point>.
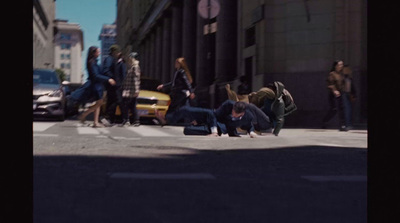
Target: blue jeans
<point>201,115</point>
<point>347,106</point>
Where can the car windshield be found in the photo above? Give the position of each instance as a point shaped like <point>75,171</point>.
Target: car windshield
<point>45,77</point>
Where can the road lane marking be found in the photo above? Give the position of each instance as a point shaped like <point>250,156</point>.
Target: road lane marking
<point>103,131</point>
<point>42,126</point>
<point>125,138</point>
<point>354,178</point>
<point>44,135</point>
<point>163,176</point>
<point>148,131</point>
<point>87,131</point>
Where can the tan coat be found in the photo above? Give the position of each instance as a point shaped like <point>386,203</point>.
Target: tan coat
<point>335,81</point>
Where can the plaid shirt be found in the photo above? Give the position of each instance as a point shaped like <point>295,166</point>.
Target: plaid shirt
<point>131,83</point>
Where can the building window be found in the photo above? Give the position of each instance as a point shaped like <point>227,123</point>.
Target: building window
<point>62,56</point>
<point>250,36</point>
<point>66,46</point>
<point>65,36</point>
<point>68,56</point>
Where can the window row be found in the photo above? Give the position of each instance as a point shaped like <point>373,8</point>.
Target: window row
<point>65,66</point>
<point>65,56</point>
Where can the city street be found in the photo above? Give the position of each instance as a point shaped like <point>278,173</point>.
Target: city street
<point>157,174</point>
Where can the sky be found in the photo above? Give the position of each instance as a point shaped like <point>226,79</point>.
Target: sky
<point>91,15</point>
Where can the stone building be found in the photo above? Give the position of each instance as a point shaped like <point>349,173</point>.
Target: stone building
<point>43,33</point>
<point>107,38</point>
<point>292,41</point>
<point>68,50</point>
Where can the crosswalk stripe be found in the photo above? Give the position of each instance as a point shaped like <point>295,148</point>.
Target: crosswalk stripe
<point>148,131</point>
<point>45,135</point>
<point>87,131</point>
<point>42,126</point>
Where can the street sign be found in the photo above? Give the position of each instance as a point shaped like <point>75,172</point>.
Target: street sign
<point>210,28</point>
<point>208,9</point>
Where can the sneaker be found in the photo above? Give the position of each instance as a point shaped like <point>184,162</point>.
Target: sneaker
<point>106,122</point>
<point>155,121</point>
<point>136,124</point>
<point>343,128</point>
<point>124,124</point>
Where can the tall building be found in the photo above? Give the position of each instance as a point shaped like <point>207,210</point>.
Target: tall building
<point>68,50</point>
<point>107,38</point>
<point>43,37</point>
<point>292,41</point>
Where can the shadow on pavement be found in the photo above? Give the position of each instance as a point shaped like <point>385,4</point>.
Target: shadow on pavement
<point>257,185</point>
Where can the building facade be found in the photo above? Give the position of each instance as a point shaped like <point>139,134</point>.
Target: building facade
<point>292,41</point>
<point>107,38</point>
<point>43,33</point>
<point>68,50</point>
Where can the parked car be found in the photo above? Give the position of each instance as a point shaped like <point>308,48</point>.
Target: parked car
<point>48,95</point>
<point>148,100</point>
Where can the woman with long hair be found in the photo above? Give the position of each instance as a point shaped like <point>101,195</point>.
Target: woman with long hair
<point>181,88</point>
<point>93,89</point>
<point>335,88</point>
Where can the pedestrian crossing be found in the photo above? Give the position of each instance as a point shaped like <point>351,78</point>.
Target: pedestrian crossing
<point>50,128</point>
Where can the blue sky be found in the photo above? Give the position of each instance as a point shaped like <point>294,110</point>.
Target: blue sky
<point>91,15</point>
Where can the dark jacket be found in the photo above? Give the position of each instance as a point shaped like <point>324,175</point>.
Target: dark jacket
<point>260,120</point>
<point>180,82</point>
<point>225,122</point>
<point>114,70</point>
<point>93,88</point>
<point>278,107</point>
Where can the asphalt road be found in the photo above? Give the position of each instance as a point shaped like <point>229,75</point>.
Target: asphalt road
<point>152,174</point>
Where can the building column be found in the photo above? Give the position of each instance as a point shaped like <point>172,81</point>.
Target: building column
<point>189,35</point>
<point>158,51</point>
<point>147,57</point>
<point>204,64</point>
<point>166,51</point>
<point>152,59</point>
<point>225,48</point>
<point>176,35</point>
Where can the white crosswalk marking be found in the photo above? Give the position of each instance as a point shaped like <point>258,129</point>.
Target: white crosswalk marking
<point>87,131</point>
<point>148,131</point>
<point>42,126</point>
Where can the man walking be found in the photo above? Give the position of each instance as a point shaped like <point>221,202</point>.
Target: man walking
<point>113,69</point>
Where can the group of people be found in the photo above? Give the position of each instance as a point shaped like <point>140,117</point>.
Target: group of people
<point>255,113</point>
<point>233,114</point>
<point>117,81</point>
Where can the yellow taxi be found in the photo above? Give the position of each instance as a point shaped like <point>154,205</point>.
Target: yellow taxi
<point>148,100</point>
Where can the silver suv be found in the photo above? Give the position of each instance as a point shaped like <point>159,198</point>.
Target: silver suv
<point>48,95</point>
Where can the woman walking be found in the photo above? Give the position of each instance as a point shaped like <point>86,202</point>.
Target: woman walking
<point>335,87</point>
<point>181,88</point>
<point>93,88</point>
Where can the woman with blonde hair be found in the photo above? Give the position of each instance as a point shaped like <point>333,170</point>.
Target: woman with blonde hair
<point>181,87</point>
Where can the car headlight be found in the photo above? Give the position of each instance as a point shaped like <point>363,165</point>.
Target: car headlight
<point>163,103</point>
<point>57,93</point>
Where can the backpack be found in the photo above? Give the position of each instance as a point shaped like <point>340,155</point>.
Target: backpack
<point>290,106</point>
